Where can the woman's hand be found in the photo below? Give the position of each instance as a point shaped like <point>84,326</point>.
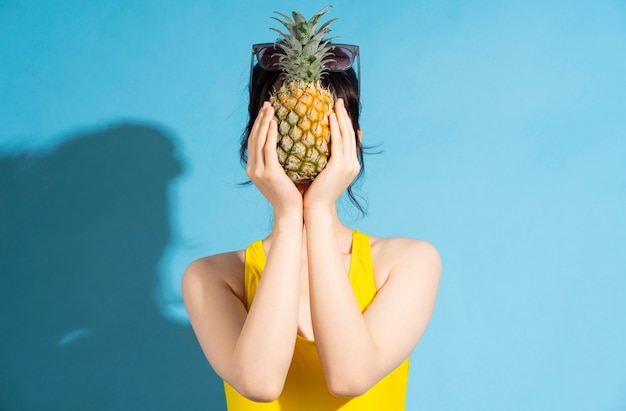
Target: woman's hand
<point>263,167</point>
<point>343,165</point>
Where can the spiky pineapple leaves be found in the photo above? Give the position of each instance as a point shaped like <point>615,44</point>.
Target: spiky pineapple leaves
<point>305,46</point>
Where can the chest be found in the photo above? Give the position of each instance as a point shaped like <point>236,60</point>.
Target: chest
<point>305,322</point>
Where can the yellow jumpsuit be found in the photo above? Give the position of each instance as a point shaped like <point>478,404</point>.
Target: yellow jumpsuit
<point>305,388</point>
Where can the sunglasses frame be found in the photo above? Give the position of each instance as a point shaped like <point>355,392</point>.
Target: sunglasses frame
<point>353,48</point>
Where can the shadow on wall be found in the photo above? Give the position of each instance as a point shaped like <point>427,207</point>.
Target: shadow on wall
<point>82,229</point>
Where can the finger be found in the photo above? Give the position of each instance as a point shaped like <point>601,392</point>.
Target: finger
<point>266,124</point>
<point>256,120</point>
<point>253,136</point>
<point>335,137</point>
<point>270,154</point>
<point>345,126</point>
<point>349,138</point>
<point>260,136</point>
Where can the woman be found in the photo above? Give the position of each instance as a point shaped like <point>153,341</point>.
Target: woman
<point>316,316</point>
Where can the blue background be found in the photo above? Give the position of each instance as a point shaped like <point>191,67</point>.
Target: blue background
<point>503,130</point>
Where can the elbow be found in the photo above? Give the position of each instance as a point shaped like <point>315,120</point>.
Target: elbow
<point>351,378</point>
<point>255,381</point>
<point>349,386</point>
<point>262,390</point>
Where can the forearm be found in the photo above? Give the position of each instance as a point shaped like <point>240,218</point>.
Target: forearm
<point>347,350</point>
<point>265,346</point>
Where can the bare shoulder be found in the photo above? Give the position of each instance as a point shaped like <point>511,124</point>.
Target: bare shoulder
<point>392,249</point>
<point>224,269</point>
<point>404,256</point>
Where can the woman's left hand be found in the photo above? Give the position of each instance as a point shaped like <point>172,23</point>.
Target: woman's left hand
<point>343,165</point>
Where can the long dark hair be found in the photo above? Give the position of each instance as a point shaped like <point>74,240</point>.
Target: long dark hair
<point>343,84</point>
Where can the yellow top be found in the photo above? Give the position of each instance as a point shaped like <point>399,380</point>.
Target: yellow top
<point>305,388</point>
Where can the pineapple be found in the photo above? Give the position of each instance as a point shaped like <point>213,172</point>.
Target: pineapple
<point>302,104</point>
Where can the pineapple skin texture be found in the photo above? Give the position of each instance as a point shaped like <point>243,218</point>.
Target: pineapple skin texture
<point>301,112</point>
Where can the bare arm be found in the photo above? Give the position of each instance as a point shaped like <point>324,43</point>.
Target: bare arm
<point>252,350</point>
<point>249,350</point>
<point>357,350</point>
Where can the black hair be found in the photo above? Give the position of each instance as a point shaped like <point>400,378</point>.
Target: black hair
<point>343,84</point>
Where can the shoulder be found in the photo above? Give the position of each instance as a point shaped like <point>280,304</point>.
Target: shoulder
<point>400,248</point>
<point>404,256</point>
<point>219,270</point>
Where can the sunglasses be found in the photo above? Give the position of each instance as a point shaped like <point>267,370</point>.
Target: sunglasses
<point>341,58</point>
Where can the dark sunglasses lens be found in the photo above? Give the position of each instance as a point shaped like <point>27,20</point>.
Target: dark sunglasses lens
<point>268,57</point>
<point>341,59</point>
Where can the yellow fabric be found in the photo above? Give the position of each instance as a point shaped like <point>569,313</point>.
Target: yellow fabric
<point>305,388</point>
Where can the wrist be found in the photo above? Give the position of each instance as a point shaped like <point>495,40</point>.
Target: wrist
<point>289,217</point>
<point>318,212</point>
<point>317,204</point>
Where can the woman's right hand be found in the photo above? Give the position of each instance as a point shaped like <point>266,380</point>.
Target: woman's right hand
<point>263,168</point>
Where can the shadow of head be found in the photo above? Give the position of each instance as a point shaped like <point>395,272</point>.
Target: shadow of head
<point>86,223</point>
<point>82,230</point>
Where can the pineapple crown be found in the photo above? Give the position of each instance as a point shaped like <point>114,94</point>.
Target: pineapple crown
<point>304,46</point>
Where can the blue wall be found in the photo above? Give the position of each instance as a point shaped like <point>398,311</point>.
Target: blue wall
<point>503,126</point>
